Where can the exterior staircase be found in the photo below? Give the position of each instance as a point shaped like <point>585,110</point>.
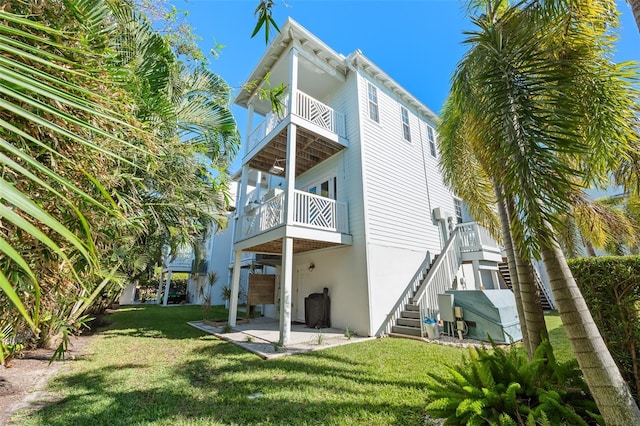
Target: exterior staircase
<point>410,323</point>
<point>545,298</point>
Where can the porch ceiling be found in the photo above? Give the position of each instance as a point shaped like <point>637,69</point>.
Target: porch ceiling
<point>312,149</point>
<point>299,246</point>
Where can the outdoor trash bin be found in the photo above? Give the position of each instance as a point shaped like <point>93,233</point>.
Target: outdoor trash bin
<point>431,326</point>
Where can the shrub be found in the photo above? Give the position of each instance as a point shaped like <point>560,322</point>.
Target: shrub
<point>611,288</point>
<point>501,386</point>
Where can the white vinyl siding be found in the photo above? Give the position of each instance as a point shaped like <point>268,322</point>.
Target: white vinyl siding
<point>406,128</point>
<point>432,140</point>
<point>374,113</point>
<point>403,182</point>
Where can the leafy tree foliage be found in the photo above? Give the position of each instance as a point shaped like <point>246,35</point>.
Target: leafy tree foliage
<point>109,147</point>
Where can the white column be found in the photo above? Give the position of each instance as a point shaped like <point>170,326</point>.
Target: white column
<point>286,278</point>
<point>249,127</point>
<point>293,79</point>
<point>256,193</point>
<point>496,279</point>
<point>167,286</point>
<point>160,281</point>
<point>242,200</point>
<point>235,286</point>
<point>476,274</point>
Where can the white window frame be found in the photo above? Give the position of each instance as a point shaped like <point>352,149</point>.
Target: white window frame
<point>332,186</point>
<point>457,207</point>
<point>406,127</point>
<point>431,136</point>
<point>372,95</point>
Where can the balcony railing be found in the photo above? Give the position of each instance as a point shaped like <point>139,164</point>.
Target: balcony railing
<point>308,108</point>
<point>320,114</point>
<point>265,216</point>
<point>474,237</point>
<point>309,210</point>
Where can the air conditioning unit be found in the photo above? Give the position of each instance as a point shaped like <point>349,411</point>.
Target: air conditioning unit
<point>440,213</point>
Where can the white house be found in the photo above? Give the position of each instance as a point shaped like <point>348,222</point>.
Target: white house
<point>362,209</point>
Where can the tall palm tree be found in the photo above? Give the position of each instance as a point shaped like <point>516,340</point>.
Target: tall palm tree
<point>550,112</point>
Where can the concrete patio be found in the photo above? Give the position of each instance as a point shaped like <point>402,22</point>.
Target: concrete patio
<point>260,336</point>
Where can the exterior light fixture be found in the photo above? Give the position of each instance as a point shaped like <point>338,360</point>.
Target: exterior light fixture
<point>277,169</point>
<point>312,267</point>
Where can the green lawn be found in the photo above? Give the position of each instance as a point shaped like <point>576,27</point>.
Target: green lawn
<point>148,367</point>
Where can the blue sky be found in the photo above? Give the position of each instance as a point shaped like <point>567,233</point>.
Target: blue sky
<point>416,42</point>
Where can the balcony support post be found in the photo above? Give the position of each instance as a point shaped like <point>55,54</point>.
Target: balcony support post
<point>286,279</point>
<point>167,286</point>
<point>476,273</point>
<point>249,127</point>
<point>235,288</point>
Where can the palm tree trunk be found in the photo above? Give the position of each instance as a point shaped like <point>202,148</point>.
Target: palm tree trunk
<point>610,391</point>
<point>531,304</point>
<point>635,8</point>
<point>511,262</point>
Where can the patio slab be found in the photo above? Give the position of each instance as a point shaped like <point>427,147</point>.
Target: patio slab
<point>260,336</point>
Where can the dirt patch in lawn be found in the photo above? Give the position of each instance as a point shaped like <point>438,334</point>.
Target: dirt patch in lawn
<point>22,386</point>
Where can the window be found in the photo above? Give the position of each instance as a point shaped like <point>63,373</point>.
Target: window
<point>325,188</point>
<point>457,205</point>
<point>432,140</point>
<point>373,103</point>
<point>406,130</point>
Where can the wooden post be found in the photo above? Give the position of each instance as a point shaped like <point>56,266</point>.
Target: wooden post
<point>235,286</point>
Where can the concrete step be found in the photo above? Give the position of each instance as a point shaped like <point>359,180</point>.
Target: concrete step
<point>409,322</point>
<point>410,314</point>
<point>403,329</point>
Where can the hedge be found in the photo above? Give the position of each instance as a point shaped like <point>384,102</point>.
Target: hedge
<point>611,288</point>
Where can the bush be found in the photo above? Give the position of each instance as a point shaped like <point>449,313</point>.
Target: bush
<point>502,387</point>
<point>611,288</point>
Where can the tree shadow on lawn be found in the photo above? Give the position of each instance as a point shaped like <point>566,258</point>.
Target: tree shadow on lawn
<point>222,401</point>
<point>240,390</point>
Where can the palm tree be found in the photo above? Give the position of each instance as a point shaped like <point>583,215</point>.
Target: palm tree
<point>549,113</point>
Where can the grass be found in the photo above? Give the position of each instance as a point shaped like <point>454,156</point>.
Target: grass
<point>148,367</point>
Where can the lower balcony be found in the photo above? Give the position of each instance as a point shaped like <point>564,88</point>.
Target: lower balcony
<point>317,222</point>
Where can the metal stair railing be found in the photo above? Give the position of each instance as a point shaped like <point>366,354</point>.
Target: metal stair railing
<point>439,279</point>
<point>543,288</point>
<point>414,283</point>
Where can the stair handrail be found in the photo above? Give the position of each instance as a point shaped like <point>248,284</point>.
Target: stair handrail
<point>439,278</point>
<point>414,283</point>
<point>543,287</point>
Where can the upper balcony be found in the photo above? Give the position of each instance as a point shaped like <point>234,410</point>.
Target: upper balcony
<point>320,133</point>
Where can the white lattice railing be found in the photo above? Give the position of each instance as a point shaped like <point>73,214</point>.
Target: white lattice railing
<point>440,278</point>
<point>264,217</point>
<point>308,210</point>
<point>319,212</point>
<point>320,114</point>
